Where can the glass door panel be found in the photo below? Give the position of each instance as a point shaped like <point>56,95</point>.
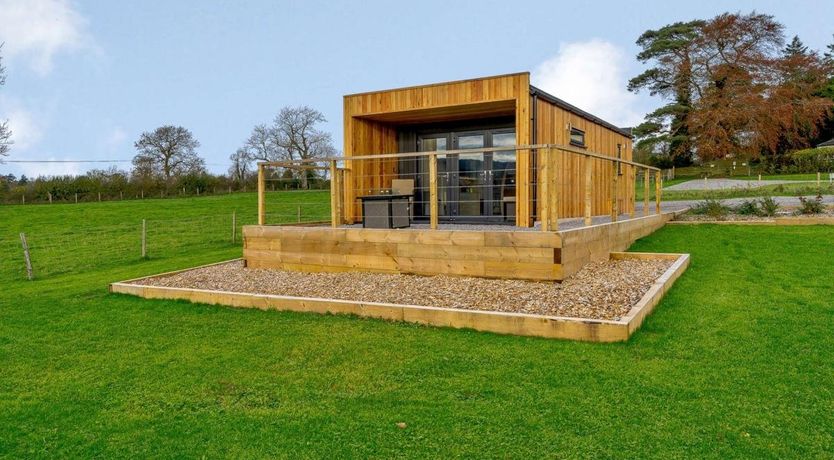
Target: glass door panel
<point>471,176</point>
<point>434,144</point>
<point>502,175</point>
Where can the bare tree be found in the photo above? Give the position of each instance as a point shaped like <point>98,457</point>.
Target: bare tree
<point>298,137</point>
<point>293,135</point>
<point>5,132</point>
<point>261,144</point>
<point>167,152</point>
<point>241,165</point>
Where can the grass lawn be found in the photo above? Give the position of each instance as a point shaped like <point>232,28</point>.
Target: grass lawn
<point>736,362</point>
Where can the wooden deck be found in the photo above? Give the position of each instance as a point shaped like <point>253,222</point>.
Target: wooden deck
<point>500,253</point>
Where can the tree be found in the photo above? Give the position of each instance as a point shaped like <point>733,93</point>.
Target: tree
<point>795,48</point>
<point>730,87</point>
<point>666,129</point>
<point>241,164</point>
<point>5,132</point>
<point>294,135</point>
<point>167,152</point>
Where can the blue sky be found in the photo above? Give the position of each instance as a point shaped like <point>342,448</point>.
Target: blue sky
<point>84,79</point>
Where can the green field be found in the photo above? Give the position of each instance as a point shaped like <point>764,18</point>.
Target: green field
<point>736,361</point>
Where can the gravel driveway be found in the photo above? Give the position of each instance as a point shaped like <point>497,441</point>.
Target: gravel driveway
<point>723,184</point>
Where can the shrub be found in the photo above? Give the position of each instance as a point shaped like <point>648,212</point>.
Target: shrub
<point>811,206</point>
<point>712,208</point>
<point>768,207</point>
<point>748,208</point>
<point>813,160</point>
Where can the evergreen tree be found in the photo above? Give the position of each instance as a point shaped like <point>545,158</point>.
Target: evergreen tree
<point>666,130</point>
<point>795,48</point>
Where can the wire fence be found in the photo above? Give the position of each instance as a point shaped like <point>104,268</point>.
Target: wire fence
<point>78,248</point>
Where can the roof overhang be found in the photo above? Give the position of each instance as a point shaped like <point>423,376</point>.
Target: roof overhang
<point>454,112</point>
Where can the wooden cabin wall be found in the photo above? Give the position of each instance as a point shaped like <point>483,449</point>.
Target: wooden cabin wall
<point>552,128</point>
<point>363,136</point>
<point>367,177</point>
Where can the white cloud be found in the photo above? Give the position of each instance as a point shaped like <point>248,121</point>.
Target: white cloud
<point>592,76</point>
<point>36,30</point>
<point>115,139</point>
<point>25,130</point>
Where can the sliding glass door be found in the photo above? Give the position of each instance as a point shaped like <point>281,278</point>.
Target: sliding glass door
<point>472,187</point>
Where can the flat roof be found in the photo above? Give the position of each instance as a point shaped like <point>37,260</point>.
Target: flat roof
<point>534,91</point>
<point>577,111</point>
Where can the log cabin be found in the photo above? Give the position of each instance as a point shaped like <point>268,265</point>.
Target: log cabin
<point>482,186</point>
<point>483,160</point>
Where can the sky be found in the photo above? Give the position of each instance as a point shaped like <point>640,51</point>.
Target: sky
<point>86,78</point>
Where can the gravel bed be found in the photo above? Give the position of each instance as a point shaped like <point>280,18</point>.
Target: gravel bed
<point>604,290</point>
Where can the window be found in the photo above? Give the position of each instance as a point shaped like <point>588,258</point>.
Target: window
<point>577,137</point>
<point>619,157</point>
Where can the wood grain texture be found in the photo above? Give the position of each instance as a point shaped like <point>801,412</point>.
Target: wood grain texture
<point>501,254</point>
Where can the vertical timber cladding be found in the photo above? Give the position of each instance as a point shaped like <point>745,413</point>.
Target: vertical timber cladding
<point>552,127</point>
<point>367,132</point>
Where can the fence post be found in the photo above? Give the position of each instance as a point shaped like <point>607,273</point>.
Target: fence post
<point>818,179</point>
<point>544,184</point>
<point>121,195</point>
<point>658,181</point>
<point>234,226</point>
<point>632,199</point>
<point>26,256</point>
<point>589,166</point>
<point>615,180</point>
<point>646,190</point>
<point>144,239</point>
<point>50,196</point>
<point>142,193</point>
<point>433,191</point>
<point>335,218</point>
<point>99,196</point>
<point>76,198</point>
<point>298,214</point>
<point>23,197</point>
<point>261,192</point>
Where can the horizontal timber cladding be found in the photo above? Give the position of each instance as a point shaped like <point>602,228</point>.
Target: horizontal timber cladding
<point>553,125</point>
<point>500,254</point>
<point>371,120</point>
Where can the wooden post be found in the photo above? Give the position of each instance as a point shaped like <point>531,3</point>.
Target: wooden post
<point>23,198</point>
<point>144,239</point>
<point>818,179</point>
<point>234,226</point>
<point>261,197</point>
<point>298,214</point>
<point>544,184</point>
<point>26,256</point>
<point>142,194</point>
<point>433,191</point>
<point>646,189</point>
<point>99,196</point>
<point>76,198</point>
<point>554,189</point>
<point>632,178</point>
<point>230,190</point>
<point>615,180</point>
<point>121,195</point>
<point>657,186</point>
<point>760,178</point>
<point>50,196</point>
<point>589,189</point>
<point>335,218</point>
